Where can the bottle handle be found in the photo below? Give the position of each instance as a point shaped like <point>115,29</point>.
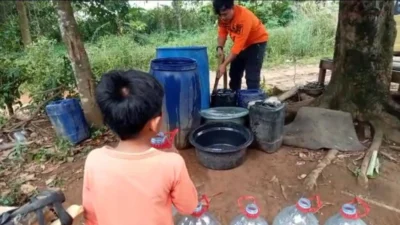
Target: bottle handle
<point>363,204</point>
<point>171,135</point>
<point>318,204</point>
<point>242,207</point>
<point>205,203</point>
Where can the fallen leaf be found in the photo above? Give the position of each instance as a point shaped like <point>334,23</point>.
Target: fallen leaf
<point>50,180</point>
<point>284,192</point>
<point>300,163</point>
<point>302,176</point>
<point>274,180</point>
<point>79,171</point>
<point>50,168</point>
<point>302,155</point>
<point>27,177</point>
<point>28,189</point>
<point>4,154</point>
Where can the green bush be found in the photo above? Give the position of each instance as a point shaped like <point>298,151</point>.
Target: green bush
<point>45,69</point>
<point>305,37</point>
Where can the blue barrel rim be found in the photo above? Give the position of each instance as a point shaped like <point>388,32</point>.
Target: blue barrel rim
<point>173,64</point>
<point>197,47</point>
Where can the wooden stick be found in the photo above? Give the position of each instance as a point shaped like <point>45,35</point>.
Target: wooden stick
<point>373,202</point>
<point>74,211</point>
<point>311,180</point>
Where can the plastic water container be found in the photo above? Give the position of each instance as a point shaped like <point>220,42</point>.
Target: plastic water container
<point>201,215</point>
<point>250,215</point>
<point>181,104</point>
<point>248,95</point>
<point>164,140</point>
<point>68,120</point>
<point>348,214</point>
<point>267,123</point>
<point>300,214</point>
<point>199,54</point>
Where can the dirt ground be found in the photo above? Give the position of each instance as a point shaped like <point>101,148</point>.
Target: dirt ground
<point>275,179</point>
<point>262,176</point>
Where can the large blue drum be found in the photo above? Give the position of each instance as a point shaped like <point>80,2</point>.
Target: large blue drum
<point>181,103</point>
<point>198,53</point>
<point>68,120</point>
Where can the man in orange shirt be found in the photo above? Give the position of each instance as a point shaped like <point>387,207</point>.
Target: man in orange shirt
<point>134,183</point>
<point>250,40</point>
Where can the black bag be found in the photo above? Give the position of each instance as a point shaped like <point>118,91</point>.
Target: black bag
<point>49,198</point>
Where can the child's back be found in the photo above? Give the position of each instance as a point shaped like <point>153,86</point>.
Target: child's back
<point>134,183</point>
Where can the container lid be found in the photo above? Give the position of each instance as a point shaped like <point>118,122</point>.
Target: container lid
<point>304,204</point>
<point>218,113</point>
<point>349,210</point>
<point>252,211</point>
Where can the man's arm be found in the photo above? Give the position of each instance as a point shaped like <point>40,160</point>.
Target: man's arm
<point>239,43</point>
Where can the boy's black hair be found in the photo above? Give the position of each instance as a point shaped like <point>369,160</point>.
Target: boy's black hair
<point>221,5</point>
<point>128,100</point>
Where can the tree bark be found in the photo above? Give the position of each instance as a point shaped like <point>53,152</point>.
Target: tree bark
<point>79,61</point>
<point>10,108</point>
<point>177,5</point>
<point>361,75</point>
<point>23,23</point>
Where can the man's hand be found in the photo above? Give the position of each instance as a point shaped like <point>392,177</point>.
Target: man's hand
<point>221,70</point>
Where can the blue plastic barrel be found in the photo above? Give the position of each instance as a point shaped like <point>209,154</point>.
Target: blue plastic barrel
<point>198,53</point>
<point>181,105</point>
<point>68,120</point>
<point>248,95</point>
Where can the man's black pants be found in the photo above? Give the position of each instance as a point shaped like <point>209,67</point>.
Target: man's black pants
<point>249,60</point>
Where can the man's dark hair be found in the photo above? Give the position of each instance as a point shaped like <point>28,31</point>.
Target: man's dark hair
<point>128,100</point>
<point>221,5</point>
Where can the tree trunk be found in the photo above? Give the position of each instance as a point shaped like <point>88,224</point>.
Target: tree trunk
<point>360,82</point>
<point>23,23</point>
<point>10,108</point>
<point>79,61</point>
<point>176,4</point>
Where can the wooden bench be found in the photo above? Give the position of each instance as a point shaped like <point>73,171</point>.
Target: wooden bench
<point>327,64</point>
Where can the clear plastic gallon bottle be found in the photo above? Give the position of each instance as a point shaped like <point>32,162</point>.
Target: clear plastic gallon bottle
<point>200,216</point>
<point>250,215</point>
<point>348,214</point>
<point>300,214</point>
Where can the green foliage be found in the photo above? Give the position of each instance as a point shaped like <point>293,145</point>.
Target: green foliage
<point>48,69</point>
<point>272,13</point>
<point>11,77</point>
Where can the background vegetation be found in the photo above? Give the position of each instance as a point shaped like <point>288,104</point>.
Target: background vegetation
<point>118,35</point>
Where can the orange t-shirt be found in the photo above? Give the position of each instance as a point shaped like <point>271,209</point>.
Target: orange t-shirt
<point>245,29</point>
<point>136,188</point>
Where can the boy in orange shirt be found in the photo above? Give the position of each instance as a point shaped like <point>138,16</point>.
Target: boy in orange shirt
<point>134,183</point>
<point>250,40</point>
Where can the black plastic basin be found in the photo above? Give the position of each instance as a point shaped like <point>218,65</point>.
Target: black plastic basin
<point>221,145</point>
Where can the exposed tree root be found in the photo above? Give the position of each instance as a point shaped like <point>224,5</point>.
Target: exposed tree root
<point>373,149</point>
<point>311,180</point>
<point>373,202</point>
<point>286,95</point>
